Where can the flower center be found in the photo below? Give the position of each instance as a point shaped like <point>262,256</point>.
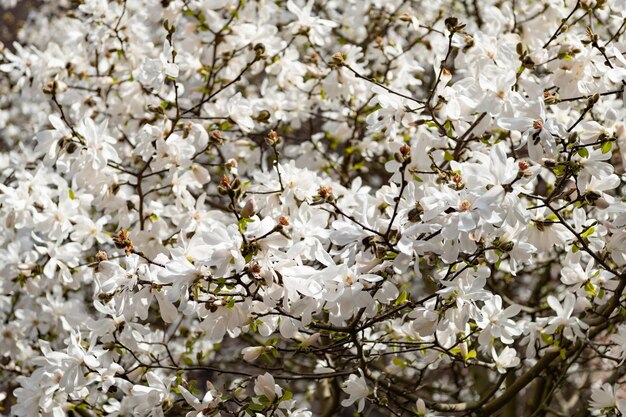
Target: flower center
<point>465,205</point>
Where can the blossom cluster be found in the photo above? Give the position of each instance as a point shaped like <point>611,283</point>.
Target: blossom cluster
<point>290,208</point>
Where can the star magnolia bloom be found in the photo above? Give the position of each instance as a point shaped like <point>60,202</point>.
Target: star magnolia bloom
<point>571,325</point>
<point>506,359</point>
<point>356,387</point>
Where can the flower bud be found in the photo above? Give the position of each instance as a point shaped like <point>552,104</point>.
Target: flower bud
<point>339,58</point>
<point>272,138</point>
<point>250,354</point>
<point>216,137</point>
<point>406,17</point>
<point>263,116</point>
<point>101,256</point>
<point>259,50</point>
<point>249,209</point>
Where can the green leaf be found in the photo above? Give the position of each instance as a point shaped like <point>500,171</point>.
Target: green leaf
<point>449,128</point>
<point>546,338</point>
<point>70,192</point>
<point>497,265</point>
<point>559,170</point>
<point>243,224</point>
<point>587,232</point>
<point>590,288</point>
<point>399,362</point>
<point>225,126</point>
<point>583,152</point>
<point>606,147</point>
<point>402,298</point>
<point>448,156</point>
<point>286,396</point>
<point>256,407</point>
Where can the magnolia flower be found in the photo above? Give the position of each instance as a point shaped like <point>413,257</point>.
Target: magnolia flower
<point>496,322</point>
<point>48,140</point>
<point>618,73</point>
<point>539,132</point>
<point>571,326</point>
<point>356,388</point>
<point>265,385</point>
<point>506,359</point>
<point>603,400</point>
<point>250,354</point>
<point>316,27</point>
<point>152,72</point>
<point>148,399</point>
<point>240,112</point>
<point>202,408</point>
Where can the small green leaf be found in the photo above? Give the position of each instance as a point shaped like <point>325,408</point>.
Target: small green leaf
<point>606,147</point>
<point>587,232</point>
<point>497,265</point>
<point>402,298</point>
<point>590,288</point>
<point>583,152</point>
<point>546,338</point>
<point>559,170</point>
<point>399,362</point>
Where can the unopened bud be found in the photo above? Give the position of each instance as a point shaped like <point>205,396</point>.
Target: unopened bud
<point>224,186</point>
<point>259,50</point>
<point>249,209</point>
<point>250,354</point>
<point>50,88</point>
<point>325,192</point>
<point>216,137</point>
<point>451,23</point>
<point>339,59</point>
<point>406,17</point>
<point>101,256</point>
<point>263,116</point>
<point>272,138</point>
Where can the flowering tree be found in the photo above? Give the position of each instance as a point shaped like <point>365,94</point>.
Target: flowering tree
<point>279,208</point>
